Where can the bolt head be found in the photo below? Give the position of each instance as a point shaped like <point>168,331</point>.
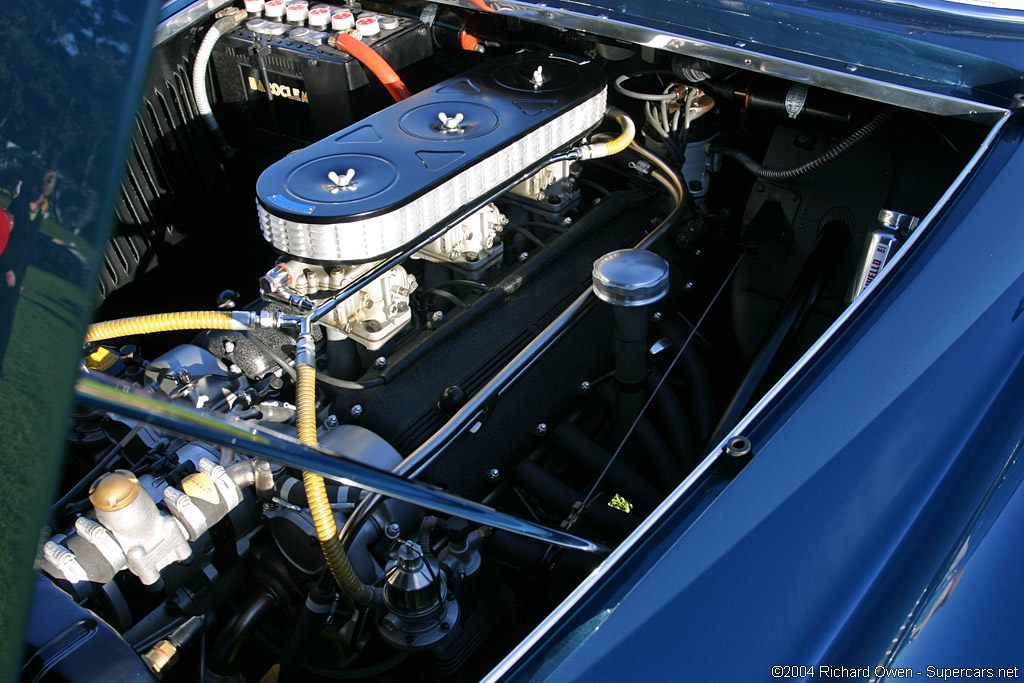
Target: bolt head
<point>567,221</point>
<point>229,346</point>
<point>493,474</point>
<point>356,410</point>
<point>597,200</point>
<point>656,317</point>
<point>584,387</point>
<point>331,421</point>
<point>523,256</point>
<point>541,429</point>
<point>392,530</point>
<point>688,286</point>
<point>437,316</point>
<point>380,363</point>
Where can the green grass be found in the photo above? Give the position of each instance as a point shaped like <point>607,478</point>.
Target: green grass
<point>35,399</point>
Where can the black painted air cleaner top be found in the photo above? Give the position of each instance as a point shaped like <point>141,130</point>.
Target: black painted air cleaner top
<point>381,182</point>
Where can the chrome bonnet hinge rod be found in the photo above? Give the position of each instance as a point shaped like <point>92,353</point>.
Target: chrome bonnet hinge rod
<point>101,392</point>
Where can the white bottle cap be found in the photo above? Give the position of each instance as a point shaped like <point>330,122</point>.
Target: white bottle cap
<point>274,9</point>
<point>319,17</point>
<point>342,21</point>
<point>297,11</point>
<point>367,26</point>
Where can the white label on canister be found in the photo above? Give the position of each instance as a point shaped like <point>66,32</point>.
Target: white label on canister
<point>795,100</point>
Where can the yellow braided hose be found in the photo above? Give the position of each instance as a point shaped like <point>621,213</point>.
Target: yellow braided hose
<point>599,150</point>
<point>316,493</point>
<point>161,322</point>
<point>621,142</point>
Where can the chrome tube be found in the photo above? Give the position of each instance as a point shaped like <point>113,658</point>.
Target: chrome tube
<point>475,410</point>
<point>105,393</point>
<point>439,229</point>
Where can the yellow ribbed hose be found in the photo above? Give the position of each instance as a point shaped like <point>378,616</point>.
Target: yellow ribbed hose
<point>162,322</point>
<point>598,150</point>
<point>628,132</point>
<point>316,494</point>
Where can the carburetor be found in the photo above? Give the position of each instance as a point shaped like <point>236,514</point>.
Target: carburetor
<point>371,317</point>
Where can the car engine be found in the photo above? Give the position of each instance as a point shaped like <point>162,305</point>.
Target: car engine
<point>542,270</point>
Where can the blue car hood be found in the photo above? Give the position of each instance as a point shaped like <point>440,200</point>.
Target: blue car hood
<point>947,49</point>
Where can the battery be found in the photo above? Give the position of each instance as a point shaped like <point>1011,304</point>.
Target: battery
<point>314,90</point>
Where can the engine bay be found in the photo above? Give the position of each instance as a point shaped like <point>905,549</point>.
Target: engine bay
<point>542,270</point>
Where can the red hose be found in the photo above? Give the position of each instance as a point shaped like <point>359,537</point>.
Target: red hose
<point>375,63</point>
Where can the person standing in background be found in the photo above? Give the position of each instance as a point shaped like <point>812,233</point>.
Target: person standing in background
<point>28,210</point>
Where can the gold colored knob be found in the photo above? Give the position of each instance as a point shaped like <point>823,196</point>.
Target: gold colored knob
<point>114,491</point>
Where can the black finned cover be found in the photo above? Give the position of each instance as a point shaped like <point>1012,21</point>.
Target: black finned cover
<point>403,151</point>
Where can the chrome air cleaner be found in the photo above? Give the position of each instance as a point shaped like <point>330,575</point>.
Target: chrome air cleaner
<point>377,185</point>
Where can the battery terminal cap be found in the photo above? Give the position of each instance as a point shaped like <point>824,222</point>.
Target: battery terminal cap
<point>367,26</point>
<point>342,21</point>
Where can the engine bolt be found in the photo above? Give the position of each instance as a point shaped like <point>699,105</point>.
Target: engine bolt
<point>392,530</point>
<point>584,387</point>
<point>523,256</point>
<point>688,286</point>
<point>656,317</point>
<point>493,474</point>
<point>597,200</point>
<point>356,410</point>
<point>331,421</point>
<point>567,221</point>
<point>541,429</point>
<point>380,363</point>
<point>229,346</point>
<point>437,317</point>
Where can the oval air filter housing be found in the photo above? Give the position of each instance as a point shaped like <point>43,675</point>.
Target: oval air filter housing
<point>377,185</point>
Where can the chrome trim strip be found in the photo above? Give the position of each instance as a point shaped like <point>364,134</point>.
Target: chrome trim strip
<point>192,14</point>
<point>597,576</point>
<point>962,8</point>
<point>107,394</point>
<point>738,56</point>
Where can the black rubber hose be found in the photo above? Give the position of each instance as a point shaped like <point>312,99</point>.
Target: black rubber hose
<point>239,627</point>
<point>819,266</point>
<point>697,396</point>
<point>520,230</point>
<point>561,497</point>
<point>582,450</point>
<point>296,493</point>
<point>312,618</point>
<point>676,427</point>
<point>826,158</point>
<point>428,524</point>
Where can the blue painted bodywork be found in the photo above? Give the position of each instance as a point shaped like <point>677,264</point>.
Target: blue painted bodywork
<point>869,474</point>
<point>957,56</point>
<point>878,523</point>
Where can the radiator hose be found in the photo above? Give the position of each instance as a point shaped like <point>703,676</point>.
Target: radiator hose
<point>316,490</point>
<point>168,322</point>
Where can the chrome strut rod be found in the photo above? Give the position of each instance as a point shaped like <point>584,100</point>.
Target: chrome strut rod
<point>439,229</point>
<point>475,409</point>
<point>128,400</point>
